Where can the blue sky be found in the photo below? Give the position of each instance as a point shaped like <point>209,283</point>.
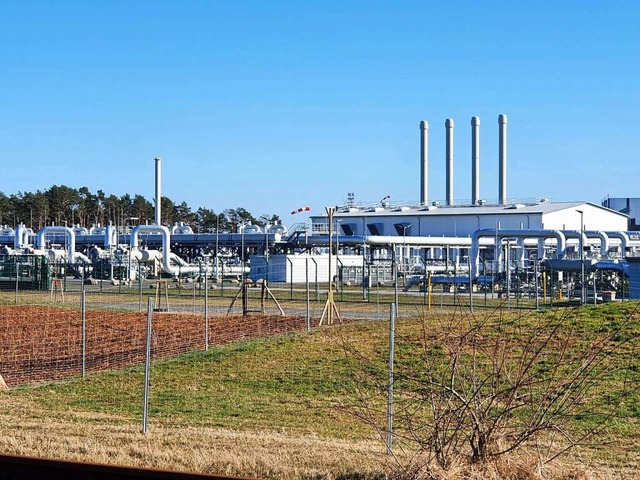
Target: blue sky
<point>275,105</point>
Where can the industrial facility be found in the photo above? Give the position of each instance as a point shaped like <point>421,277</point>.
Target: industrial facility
<point>474,244</point>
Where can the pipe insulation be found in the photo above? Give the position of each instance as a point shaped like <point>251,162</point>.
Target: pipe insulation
<point>166,244</point>
<point>474,254</point>
<point>70,238</point>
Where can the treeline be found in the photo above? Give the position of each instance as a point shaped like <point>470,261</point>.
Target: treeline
<point>62,205</point>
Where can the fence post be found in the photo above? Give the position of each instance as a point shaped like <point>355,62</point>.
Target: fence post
<point>140,283</point>
<point>291,279</point>
<point>535,273</point>
<point>17,270</point>
<point>83,307</point>
<point>147,368</point>
<point>392,342</point>
<point>317,288</point>
<point>306,265</point>
<point>206,311</point>
<point>394,269</point>
<point>470,288</point>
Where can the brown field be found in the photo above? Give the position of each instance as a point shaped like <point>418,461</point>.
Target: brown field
<point>43,343</point>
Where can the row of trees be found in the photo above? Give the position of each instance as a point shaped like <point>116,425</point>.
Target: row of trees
<point>62,205</point>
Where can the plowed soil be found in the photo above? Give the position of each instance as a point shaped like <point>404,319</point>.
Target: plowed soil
<point>45,343</point>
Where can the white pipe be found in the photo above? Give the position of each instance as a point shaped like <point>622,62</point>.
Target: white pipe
<point>146,255</point>
<point>70,237</point>
<point>249,229</point>
<point>181,229</point>
<point>429,241</point>
<point>581,236</point>
<point>80,257</point>
<point>604,240</point>
<point>541,248</point>
<point>110,237</point>
<point>21,238</point>
<point>521,253</point>
<point>166,244</point>
<point>624,241</point>
<point>474,254</point>
<point>278,228</point>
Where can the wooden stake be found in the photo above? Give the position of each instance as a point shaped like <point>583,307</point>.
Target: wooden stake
<point>330,307</point>
<point>56,283</point>
<point>160,283</point>
<point>240,292</point>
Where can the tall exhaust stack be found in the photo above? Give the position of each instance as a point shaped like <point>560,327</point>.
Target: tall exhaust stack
<point>424,162</point>
<point>158,189</point>
<point>449,159</point>
<point>502,158</point>
<point>475,160</point>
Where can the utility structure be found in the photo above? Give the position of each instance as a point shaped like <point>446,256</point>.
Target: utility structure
<point>330,307</point>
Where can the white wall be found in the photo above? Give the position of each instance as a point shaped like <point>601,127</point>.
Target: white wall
<point>288,268</point>
<point>451,225</point>
<point>595,218</point>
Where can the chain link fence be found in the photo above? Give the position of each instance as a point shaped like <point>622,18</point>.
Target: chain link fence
<point>59,323</point>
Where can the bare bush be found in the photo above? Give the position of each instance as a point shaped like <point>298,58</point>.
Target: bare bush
<point>473,389</point>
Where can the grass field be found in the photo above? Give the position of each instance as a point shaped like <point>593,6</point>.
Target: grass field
<point>287,406</point>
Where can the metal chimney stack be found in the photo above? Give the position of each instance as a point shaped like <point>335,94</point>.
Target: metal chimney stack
<point>475,160</point>
<point>449,160</point>
<point>502,158</point>
<point>424,162</point>
<point>158,190</point>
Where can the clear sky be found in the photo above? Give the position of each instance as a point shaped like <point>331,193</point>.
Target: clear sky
<point>272,105</point>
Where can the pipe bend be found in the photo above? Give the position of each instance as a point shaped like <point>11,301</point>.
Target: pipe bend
<point>166,244</point>
<point>70,236</point>
<point>520,234</point>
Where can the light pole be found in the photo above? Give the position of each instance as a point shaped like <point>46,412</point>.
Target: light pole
<point>338,265</point>
<point>266,251</point>
<point>404,245</point>
<point>216,263</point>
<point>242,252</point>
<point>507,268</point>
<point>582,289</point>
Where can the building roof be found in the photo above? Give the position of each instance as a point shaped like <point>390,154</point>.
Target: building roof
<point>431,210</point>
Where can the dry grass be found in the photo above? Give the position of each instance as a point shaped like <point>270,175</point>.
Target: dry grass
<point>104,439</point>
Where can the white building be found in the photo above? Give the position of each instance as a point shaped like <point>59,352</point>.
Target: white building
<point>300,268</point>
<point>462,221</point>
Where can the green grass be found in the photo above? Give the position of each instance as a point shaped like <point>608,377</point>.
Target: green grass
<point>294,382</point>
<point>280,383</point>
